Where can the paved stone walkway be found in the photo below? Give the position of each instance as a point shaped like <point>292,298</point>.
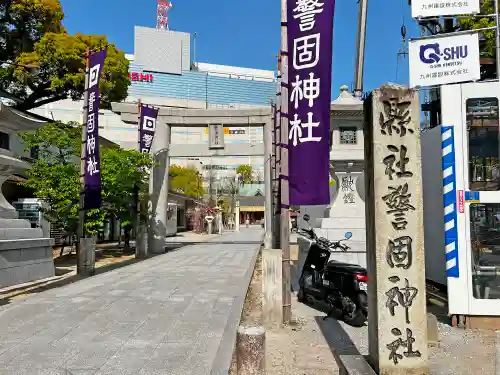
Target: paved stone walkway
<point>173,314</point>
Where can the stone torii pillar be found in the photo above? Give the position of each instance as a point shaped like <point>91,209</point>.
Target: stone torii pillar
<point>397,326</point>
<point>158,189</point>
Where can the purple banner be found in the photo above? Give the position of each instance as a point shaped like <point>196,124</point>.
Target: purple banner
<point>147,128</point>
<point>92,157</point>
<point>310,35</point>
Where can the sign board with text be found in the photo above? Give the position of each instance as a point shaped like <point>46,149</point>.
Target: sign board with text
<point>433,8</point>
<point>444,60</point>
<point>141,77</point>
<point>215,136</point>
<point>461,203</point>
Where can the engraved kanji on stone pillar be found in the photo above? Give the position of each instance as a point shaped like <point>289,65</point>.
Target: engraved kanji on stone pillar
<point>395,239</point>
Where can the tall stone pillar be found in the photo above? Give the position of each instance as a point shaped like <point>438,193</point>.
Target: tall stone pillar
<point>237,217</point>
<point>395,240</point>
<point>158,189</point>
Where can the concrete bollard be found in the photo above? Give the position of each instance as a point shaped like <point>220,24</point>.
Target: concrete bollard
<point>86,257</point>
<point>272,288</point>
<point>251,351</point>
<point>432,330</point>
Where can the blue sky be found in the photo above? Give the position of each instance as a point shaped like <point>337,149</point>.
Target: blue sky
<point>246,33</point>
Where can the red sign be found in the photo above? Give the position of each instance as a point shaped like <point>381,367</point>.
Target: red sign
<point>140,77</point>
<point>461,205</point>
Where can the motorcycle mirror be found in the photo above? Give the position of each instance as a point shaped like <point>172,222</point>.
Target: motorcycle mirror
<point>306,217</point>
<point>348,235</point>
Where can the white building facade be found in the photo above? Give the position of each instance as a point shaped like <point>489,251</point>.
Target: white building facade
<point>168,77</point>
<point>346,212</point>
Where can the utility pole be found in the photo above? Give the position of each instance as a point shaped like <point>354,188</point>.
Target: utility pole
<point>285,193</point>
<point>360,49</point>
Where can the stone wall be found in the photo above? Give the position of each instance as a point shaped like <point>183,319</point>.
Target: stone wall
<point>22,261</point>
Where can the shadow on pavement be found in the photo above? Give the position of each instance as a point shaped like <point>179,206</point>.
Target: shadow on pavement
<point>66,280</point>
<point>337,338</point>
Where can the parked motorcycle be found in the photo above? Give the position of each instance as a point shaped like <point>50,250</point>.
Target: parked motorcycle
<point>342,286</point>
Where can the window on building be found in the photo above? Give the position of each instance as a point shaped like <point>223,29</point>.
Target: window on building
<point>484,227</point>
<point>483,137</point>
<point>4,141</point>
<point>348,135</point>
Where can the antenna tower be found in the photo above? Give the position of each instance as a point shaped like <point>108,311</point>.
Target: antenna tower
<point>162,14</point>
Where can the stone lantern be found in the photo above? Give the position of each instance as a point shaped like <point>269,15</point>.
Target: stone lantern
<point>346,212</point>
<point>24,254</point>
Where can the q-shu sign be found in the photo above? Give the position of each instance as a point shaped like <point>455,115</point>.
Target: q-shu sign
<point>439,61</point>
<point>396,292</point>
<point>433,8</point>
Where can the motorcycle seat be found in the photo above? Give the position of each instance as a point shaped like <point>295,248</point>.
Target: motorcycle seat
<point>334,265</point>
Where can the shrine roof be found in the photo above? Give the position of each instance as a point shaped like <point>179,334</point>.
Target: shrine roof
<point>16,120</point>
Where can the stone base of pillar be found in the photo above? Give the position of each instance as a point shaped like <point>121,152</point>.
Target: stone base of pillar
<point>156,246</point>
<point>86,257</point>
<point>25,255</point>
<point>251,351</point>
<point>29,259</point>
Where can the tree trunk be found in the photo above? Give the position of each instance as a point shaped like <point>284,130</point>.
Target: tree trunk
<point>127,230</point>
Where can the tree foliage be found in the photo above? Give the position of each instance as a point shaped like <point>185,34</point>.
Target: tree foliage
<point>32,35</point>
<point>55,178</point>
<point>125,176</point>
<point>186,180</point>
<point>473,23</point>
<point>246,172</point>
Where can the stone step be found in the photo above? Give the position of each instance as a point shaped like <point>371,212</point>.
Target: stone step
<point>344,222</point>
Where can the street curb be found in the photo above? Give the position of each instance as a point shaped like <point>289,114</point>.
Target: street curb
<point>222,361</point>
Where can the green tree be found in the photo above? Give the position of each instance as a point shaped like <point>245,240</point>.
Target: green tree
<point>473,23</point>
<point>33,36</point>
<point>246,172</point>
<point>55,178</point>
<point>125,181</point>
<point>186,180</point>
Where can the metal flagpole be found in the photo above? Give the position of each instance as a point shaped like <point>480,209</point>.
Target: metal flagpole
<point>285,205</point>
<point>277,154</point>
<point>83,155</point>
<point>136,188</point>
<point>273,175</point>
<point>139,125</point>
<point>268,181</point>
<point>360,49</point>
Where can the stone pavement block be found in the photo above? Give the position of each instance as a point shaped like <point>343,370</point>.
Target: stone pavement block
<point>168,358</point>
<point>184,331</point>
<point>93,355</point>
<point>165,315</point>
<point>128,360</point>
